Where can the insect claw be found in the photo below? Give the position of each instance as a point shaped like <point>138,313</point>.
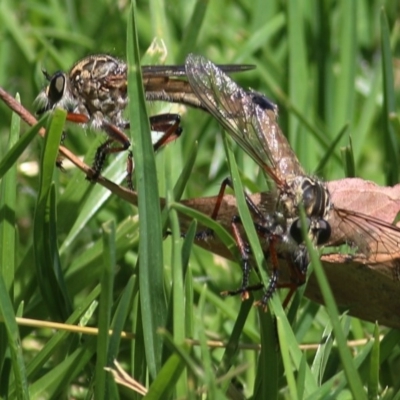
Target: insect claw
<point>245,295</point>
<point>260,303</point>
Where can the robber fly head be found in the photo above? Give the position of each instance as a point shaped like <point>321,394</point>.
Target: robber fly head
<point>313,195</point>
<point>55,94</point>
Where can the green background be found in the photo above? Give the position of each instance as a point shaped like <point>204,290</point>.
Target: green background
<point>322,63</point>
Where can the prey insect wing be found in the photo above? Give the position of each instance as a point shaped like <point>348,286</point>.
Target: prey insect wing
<point>375,240</point>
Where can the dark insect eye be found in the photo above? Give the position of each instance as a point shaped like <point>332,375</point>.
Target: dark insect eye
<point>308,196</point>
<point>323,233</point>
<point>56,88</point>
<point>295,230</point>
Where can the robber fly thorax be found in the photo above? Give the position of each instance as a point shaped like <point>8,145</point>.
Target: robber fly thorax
<point>94,87</point>
<point>94,93</point>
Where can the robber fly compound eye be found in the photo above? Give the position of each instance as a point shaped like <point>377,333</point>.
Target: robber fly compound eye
<point>315,198</point>
<point>295,230</point>
<point>320,229</point>
<point>56,88</point>
<point>322,232</point>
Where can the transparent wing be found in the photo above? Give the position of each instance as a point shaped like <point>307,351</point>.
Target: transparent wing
<point>179,70</point>
<point>249,117</point>
<point>375,239</point>
<point>165,83</point>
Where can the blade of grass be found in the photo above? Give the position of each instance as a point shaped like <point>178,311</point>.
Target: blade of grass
<point>298,79</point>
<point>14,343</point>
<point>287,364</point>
<point>345,93</point>
<point>389,104</point>
<point>192,30</point>
<point>350,370</point>
<point>373,380</point>
<point>103,379</point>
<point>35,366</point>
<point>152,298</point>
<point>47,261</point>
<point>10,21</point>
<point>178,292</point>
<point>348,159</point>
<point>331,150</point>
<point>51,384</point>
<point>11,157</point>
<point>8,206</point>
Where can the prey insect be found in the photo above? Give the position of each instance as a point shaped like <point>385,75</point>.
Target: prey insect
<point>251,120</point>
<point>94,93</point>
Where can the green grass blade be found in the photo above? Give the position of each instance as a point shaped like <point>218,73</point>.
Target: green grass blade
<point>350,370</point>
<point>103,379</point>
<point>192,30</point>
<point>8,251</point>
<point>47,261</point>
<point>373,381</point>
<point>389,104</point>
<point>152,297</point>
<point>14,342</point>
<point>53,382</point>
<point>348,159</point>
<point>11,157</point>
<point>61,337</point>
<point>298,78</point>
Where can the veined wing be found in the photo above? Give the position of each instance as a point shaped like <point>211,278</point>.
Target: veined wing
<point>179,70</point>
<point>165,83</point>
<point>376,240</point>
<point>249,117</point>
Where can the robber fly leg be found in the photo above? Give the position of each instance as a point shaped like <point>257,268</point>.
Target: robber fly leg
<point>245,262</point>
<point>72,117</point>
<point>273,282</point>
<point>167,123</point>
<point>115,135</point>
<point>207,233</point>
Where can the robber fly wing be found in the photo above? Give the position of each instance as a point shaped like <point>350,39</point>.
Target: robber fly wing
<point>377,240</point>
<point>167,83</point>
<point>249,117</point>
<point>179,70</point>
<point>271,137</point>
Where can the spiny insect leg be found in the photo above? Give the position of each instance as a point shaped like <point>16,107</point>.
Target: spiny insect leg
<point>273,282</point>
<point>169,124</point>
<point>115,135</point>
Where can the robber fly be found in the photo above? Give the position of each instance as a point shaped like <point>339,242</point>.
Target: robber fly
<point>94,93</point>
<point>251,120</point>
